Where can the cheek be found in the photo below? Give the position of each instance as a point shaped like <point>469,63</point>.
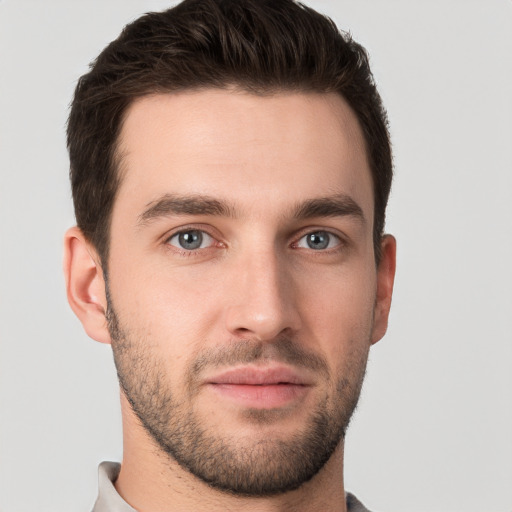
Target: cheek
<point>339,312</point>
<point>172,309</point>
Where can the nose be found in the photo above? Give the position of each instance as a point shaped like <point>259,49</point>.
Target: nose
<point>263,303</point>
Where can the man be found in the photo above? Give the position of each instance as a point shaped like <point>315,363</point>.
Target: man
<point>230,168</point>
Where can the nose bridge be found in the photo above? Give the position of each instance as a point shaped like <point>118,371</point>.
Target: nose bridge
<point>264,303</point>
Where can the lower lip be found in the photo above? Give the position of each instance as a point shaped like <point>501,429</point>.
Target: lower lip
<point>269,396</point>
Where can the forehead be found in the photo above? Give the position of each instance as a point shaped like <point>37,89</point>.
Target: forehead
<point>242,147</point>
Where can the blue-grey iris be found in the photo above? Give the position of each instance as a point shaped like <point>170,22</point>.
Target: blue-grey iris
<point>318,240</point>
<point>191,239</point>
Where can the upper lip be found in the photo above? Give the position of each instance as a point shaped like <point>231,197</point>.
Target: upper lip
<point>259,376</point>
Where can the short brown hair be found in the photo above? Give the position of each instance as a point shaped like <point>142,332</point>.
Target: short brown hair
<point>261,46</point>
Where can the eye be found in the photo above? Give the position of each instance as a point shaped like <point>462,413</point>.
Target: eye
<point>318,241</point>
<point>191,240</point>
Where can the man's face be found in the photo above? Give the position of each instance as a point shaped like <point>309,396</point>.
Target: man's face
<point>242,281</point>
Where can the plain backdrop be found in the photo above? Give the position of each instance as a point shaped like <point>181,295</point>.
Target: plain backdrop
<point>433,431</point>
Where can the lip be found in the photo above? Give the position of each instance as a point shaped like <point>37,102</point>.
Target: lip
<point>260,376</point>
<point>268,387</point>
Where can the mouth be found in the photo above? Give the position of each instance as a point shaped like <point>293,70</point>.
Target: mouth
<point>260,387</point>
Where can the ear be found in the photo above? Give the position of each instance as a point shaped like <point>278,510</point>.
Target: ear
<point>385,280</point>
<point>85,284</point>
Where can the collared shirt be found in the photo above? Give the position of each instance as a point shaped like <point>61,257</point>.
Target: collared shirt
<point>110,501</point>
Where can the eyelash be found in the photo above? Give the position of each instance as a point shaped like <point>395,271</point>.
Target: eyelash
<point>195,252</point>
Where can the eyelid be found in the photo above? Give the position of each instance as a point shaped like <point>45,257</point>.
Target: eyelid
<point>205,228</point>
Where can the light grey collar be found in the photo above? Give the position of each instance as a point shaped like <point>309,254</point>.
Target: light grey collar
<point>108,498</point>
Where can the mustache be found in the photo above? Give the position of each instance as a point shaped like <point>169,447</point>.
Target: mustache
<point>282,350</point>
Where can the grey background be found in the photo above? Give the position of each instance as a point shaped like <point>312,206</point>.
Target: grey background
<point>434,428</point>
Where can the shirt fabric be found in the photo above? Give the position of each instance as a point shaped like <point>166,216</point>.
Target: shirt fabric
<point>110,501</point>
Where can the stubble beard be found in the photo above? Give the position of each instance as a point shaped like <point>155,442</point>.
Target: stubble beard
<point>243,466</point>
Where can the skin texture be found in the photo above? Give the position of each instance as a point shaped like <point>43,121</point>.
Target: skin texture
<point>253,297</point>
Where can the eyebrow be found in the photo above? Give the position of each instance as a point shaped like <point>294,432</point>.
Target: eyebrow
<point>171,204</point>
<point>339,205</point>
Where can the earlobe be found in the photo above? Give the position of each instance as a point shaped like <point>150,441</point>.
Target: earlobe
<point>385,281</point>
<point>85,284</point>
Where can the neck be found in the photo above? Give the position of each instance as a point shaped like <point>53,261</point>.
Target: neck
<point>152,481</point>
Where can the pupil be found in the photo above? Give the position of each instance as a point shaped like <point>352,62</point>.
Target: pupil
<point>191,239</point>
<point>319,240</point>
